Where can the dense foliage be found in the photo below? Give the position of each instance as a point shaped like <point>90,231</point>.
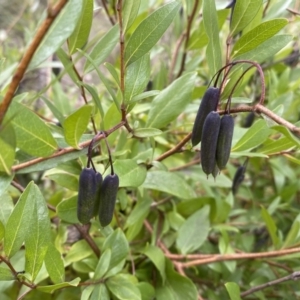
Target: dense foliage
<point>132,73</point>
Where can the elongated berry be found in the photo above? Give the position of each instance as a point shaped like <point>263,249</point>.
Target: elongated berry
<point>209,103</point>
<point>98,179</point>
<point>209,142</point>
<point>89,189</point>
<point>108,196</point>
<point>248,121</point>
<point>224,141</point>
<point>238,178</point>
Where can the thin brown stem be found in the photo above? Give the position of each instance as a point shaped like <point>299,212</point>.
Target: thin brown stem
<point>294,276</point>
<point>24,63</point>
<point>187,36</point>
<point>18,186</point>
<point>112,21</point>
<point>191,163</point>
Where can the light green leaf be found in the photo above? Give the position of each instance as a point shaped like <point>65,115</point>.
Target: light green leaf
<point>171,101</point>
<point>144,95</point>
<point>130,173</point>
<point>103,264</point>
<point>52,288</point>
<point>123,288</point>
<point>258,35</point>
<point>254,136</point>
<point>277,146</point>
<point>6,208</point>
<point>292,236</point>
<point>194,231</point>
<point>68,65</point>
<point>100,292</point>
<point>267,49</point>
<point>76,124</point>
<point>243,13</point>
<point>149,31</point>
<point>33,135</point>
<point>5,181</point>
<point>6,274</point>
<point>81,33</point>
<point>64,178</point>
<point>103,48</point>
<point>147,290</point>
<point>78,252</point>
<point>233,290</point>
<point>146,132</point>
<point>18,224</point>
<point>130,11</point>
<point>8,146</point>
<point>113,72</point>
<point>55,111</point>
<point>67,210</point>
<point>282,129</point>
<point>213,50</point>
<point>271,226</point>
<point>38,239</point>
<point>59,31</point>
<point>170,183</point>
<point>156,255</point>
<point>137,77</point>
<point>54,265</point>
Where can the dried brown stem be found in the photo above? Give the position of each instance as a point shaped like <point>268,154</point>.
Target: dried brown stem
<point>18,186</point>
<point>23,65</point>
<point>293,276</point>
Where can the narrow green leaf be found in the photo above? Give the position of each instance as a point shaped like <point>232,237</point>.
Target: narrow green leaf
<point>81,33</point>
<point>38,239</point>
<point>57,114</point>
<point>59,31</point>
<point>213,50</point>
<point>67,210</point>
<point>18,224</point>
<point>267,49</point>
<point>277,146</point>
<point>123,288</point>
<point>144,95</point>
<point>170,183</point>
<point>130,11</point>
<point>54,265</point>
<point>113,72</point>
<point>143,39</point>
<point>254,137</point>
<point>146,132</point>
<point>190,237</point>
<point>156,255</point>
<point>6,208</point>
<point>2,231</point>
<point>258,35</point>
<point>100,292</point>
<point>295,140</point>
<point>76,124</point>
<point>33,135</point>
<point>292,236</point>
<point>137,77</point>
<point>171,101</point>
<point>103,264</point>
<point>271,226</point>
<point>243,13</point>
<point>6,274</point>
<point>233,290</point>
<point>103,48</point>
<point>67,63</point>
<point>8,146</point>
<point>52,288</point>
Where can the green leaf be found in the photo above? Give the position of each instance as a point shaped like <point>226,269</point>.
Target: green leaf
<point>76,124</point>
<point>81,33</point>
<point>194,231</point>
<point>37,240</point>
<point>130,173</point>
<point>55,265</point>
<point>8,146</point>
<point>292,138</point>
<point>171,101</point>
<point>137,77</point>
<point>78,252</point>
<point>123,288</point>
<point>267,49</point>
<point>33,135</point>
<point>18,224</point>
<point>149,31</point>
<point>170,183</point>
<point>6,274</point>
<point>176,286</point>
<point>6,208</point>
<point>57,114</point>
<point>59,31</point>
<point>118,245</point>
<point>2,231</point>
<point>130,11</point>
<point>271,226</point>
<point>254,137</point>
<point>64,178</point>
<point>277,146</point>
<point>146,132</point>
<point>100,292</point>
<point>103,48</point>
<point>113,72</point>
<point>258,35</point>
<point>156,255</point>
<point>52,288</point>
<point>144,95</point>
<point>233,290</point>
<point>103,264</point>
<point>147,290</point>
<point>5,181</point>
<point>67,210</point>
<point>243,13</point>
<point>213,50</point>
<point>292,236</point>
